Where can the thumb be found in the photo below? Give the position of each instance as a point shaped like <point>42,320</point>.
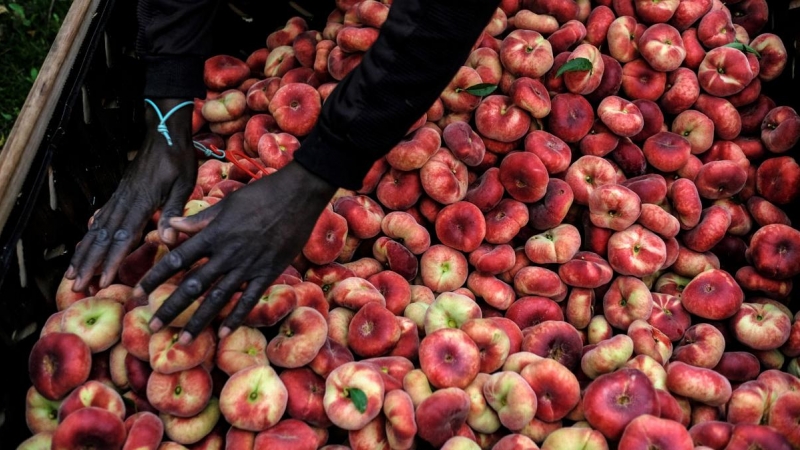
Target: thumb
<point>196,222</point>
<point>173,207</point>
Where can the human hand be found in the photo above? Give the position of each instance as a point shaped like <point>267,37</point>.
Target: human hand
<point>250,237</point>
<point>160,175</point>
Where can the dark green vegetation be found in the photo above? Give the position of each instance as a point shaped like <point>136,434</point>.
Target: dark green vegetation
<point>27,28</point>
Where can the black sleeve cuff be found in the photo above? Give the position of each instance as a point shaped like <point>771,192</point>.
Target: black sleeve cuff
<point>174,77</point>
<point>332,159</point>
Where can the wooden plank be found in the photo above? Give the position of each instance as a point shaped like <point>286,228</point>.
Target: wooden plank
<point>26,136</point>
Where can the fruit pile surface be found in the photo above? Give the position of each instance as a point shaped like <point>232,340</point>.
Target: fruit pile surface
<point>583,244</point>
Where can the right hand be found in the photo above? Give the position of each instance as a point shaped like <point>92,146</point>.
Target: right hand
<point>160,176</point>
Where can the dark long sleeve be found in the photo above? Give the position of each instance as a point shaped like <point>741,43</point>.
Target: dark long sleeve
<point>174,39</point>
<point>420,47</point>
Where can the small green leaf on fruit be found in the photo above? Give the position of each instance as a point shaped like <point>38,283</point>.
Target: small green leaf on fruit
<point>744,48</point>
<point>575,65</point>
<point>481,89</point>
<point>359,399</point>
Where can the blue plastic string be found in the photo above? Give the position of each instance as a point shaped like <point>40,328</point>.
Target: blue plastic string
<point>219,154</point>
<point>162,126</point>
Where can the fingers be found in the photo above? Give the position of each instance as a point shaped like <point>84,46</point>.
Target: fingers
<point>176,260</point>
<point>83,246</point>
<point>122,242</point>
<point>197,222</point>
<point>216,299</point>
<point>188,291</point>
<point>255,289</point>
<point>173,207</point>
<point>93,248</point>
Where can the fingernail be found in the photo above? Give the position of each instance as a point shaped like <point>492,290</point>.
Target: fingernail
<point>137,292</point>
<point>156,324</point>
<point>185,339</point>
<point>78,282</point>
<point>224,332</point>
<point>104,281</point>
<point>169,236</point>
<point>70,271</point>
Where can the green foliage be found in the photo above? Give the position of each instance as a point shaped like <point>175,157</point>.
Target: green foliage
<point>359,399</point>
<point>27,28</point>
<point>481,89</point>
<point>575,65</point>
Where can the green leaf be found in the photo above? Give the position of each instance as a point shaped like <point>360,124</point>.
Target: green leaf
<point>6,116</point>
<point>744,48</point>
<point>575,65</point>
<point>34,73</point>
<point>359,399</point>
<point>17,9</point>
<point>481,89</point>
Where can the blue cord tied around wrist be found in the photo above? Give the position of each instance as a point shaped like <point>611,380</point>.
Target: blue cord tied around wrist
<point>162,126</point>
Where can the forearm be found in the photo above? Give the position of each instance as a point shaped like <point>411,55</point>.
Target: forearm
<point>421,46</point>
<point>174,39</point>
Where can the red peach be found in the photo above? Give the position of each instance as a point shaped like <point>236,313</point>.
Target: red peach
<point>640,81</point>
<point>611,81</point>
<point>682,91</point>
<point>526,53</point>
<point>636,251</point>
<point>724,71</point>
<point>627,392</point>
<point>414,150</point>
<point>399,190</point>
<point>600,141</point>
<point>556,340</point>
<point>531,95</point>
<point>449,358</point>
<point>461,226</point>
<point>622,117</point>
<point>464,142</point>
<point>713,294</point>
<point>772,251</point>
<point>727,121</point>
<point>444,177</point>
<point>698,383</point>
<point>715,29</point>
<point>586,174</point>
<point>778,180</point>
<point>223,72</point>
<point>550,211</point>
<point>570,33</point>
<point>661,46</point>
<point>571,117</point>
<point>553,152</point>
<point>714,223</point>
<point>771,48</point>
<point>296,107</point>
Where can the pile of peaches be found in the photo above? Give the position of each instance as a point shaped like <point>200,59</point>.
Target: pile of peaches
<point>582,244</point>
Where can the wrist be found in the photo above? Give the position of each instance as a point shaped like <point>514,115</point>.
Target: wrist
<point>296,179</point>
<point>175,130</point>
<point>313,182</point>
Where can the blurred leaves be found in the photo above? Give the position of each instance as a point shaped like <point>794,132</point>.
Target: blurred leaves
<point>27,29</point>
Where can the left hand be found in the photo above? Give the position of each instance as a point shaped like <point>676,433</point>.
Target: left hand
<point>250,237</point>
